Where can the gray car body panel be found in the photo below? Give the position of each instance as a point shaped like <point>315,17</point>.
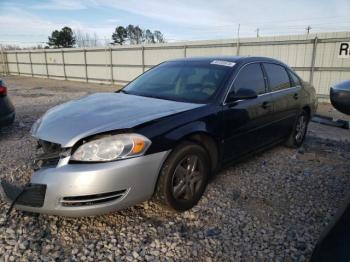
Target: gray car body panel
<point>138,176</point>
<point>67,123</point>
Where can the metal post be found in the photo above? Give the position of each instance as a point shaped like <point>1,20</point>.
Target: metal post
<point>185,51</point>
<point>111,58</point>
<point>237,46</point>
<point>85,64</point>
<point>143,58</point>
<point>107,63</point>
<point>17,64</point>
<point>3,61</point>
<point>7,64</point>
<point>64,65</point>
<point>47,69</point>
<point>31,64</point>
<point>312,69</point>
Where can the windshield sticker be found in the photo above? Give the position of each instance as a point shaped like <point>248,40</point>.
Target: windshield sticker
<point>223,63</point>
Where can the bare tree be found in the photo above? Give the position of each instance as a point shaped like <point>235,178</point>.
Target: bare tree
<point>10,47</point>
<point>85,39</point>
<point>38,46</point>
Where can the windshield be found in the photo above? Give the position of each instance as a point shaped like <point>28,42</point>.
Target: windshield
<point>180,81</point>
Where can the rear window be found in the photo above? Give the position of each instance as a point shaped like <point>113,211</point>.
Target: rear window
<point>277,76</point>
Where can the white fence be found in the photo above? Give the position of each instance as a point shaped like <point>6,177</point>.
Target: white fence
<point>314,57</point>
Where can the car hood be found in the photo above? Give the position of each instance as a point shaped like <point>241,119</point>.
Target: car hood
<point>67,123</point>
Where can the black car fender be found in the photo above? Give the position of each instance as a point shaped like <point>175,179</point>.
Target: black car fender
<point>197,132</point>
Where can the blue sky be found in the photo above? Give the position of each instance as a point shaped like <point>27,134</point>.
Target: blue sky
<point>31,21</point>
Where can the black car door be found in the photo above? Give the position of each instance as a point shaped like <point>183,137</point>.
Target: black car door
<point>285,95</point>
<point>247,123</point>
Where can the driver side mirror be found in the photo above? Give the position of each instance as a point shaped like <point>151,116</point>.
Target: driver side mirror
<point>241,94</point>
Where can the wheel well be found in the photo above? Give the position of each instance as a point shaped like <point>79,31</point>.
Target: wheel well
<point>209,144</point>
<point>307,110</point>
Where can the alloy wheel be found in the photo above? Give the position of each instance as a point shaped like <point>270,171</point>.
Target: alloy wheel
<point>300,128</point>
<point>187,178</point>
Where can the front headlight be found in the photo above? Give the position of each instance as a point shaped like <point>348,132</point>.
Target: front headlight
<point>112,148</point>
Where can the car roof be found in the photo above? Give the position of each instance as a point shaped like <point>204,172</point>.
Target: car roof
<point>235,59</point>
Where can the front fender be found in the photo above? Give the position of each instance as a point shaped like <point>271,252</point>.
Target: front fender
<point>166,134</point>
<point>184,131</point>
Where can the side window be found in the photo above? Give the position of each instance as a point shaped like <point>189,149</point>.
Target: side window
<point>295,79</point>
<point>251,77</point>
<point>278,77</point>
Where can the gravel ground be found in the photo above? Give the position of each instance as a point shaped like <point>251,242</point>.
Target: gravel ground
<point>271,207</point>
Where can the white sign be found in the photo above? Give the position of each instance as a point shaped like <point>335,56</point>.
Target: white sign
<point>344,50</point>
<point>223,63</point>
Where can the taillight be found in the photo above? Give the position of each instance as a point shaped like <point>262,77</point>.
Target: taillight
<point>3,91</point>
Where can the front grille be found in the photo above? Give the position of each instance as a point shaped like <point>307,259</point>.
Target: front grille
<point>88,200</point>
<point>33,195</point>
<point>49,147</point>
<point>48,154</point>
<point>45,160</point>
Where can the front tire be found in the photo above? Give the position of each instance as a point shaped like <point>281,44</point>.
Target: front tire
<point>183,177</point>
<point>297,136</point>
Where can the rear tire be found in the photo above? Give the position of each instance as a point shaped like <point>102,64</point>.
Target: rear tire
<point>297,136</point>
<point>183,177</point>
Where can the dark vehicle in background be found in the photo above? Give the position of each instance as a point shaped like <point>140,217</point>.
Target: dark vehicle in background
<point>7,110</point>
<point>162,135</point>
<point>340,96</point>
<point>334,243</point>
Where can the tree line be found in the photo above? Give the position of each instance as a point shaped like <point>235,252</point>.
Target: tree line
<point>135,35</point>
<point>67,38</point>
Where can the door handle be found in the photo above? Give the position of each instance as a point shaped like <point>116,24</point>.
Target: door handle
<point>266,105</point>
<point>296,96</point>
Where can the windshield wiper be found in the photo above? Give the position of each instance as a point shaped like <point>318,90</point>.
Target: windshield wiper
<point>146,95</point>
<point>153,96</point>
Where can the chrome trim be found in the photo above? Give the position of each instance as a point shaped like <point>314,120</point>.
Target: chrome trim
<point>62,201</point>
<point>278,91</point>
<point>269,93</point>
<point>115,196</point>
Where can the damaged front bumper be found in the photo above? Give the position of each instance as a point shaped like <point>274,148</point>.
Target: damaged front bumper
<point>86,189</point>
<point>32,195</point>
